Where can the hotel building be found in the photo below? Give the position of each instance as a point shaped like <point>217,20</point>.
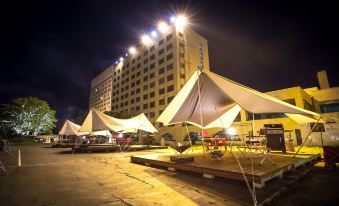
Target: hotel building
<point>149,76</point>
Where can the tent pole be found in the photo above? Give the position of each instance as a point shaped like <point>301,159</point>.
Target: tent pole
<point>188,134</point>
<point>201,122</point>
<point>252,125</point>
<point>309,134</point>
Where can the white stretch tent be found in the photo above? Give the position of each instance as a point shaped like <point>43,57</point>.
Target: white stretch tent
<point>97,121</point>
<point>70,128</point>
<point>218,97</point>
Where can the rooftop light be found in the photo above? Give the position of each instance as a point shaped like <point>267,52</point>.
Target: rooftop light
<point>132,50</point>
<point>172,19</point>
<point>180,21</point>
<point>121,59</point>
<point>154,34</point>
<point>146,40</point>
<point>163,27</point>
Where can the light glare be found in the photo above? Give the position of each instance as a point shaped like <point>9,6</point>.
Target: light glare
<point>154,34</point>
<point>146,40</point>
<point>132,50</point>
<point>121,59</point>
<point>180,21</point>
<point>172,19</point>
<point>163,27</point>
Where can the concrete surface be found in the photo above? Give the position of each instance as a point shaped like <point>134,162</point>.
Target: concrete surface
<point>54,176</point>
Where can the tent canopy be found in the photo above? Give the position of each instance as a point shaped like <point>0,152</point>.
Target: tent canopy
<point>218,97</point>
<point>70,128</point>
<point>97,121</point>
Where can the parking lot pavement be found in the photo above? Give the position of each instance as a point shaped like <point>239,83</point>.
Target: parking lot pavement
<point>54,176</point>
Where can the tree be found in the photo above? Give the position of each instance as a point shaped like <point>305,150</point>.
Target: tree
<point>28,116</point>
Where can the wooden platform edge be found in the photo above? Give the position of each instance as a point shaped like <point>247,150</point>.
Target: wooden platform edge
<point>260,181</point>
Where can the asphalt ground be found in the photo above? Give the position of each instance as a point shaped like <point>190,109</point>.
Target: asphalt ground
<point>55,176</point>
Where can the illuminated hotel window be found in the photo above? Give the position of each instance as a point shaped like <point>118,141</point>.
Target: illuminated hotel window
<point>170,77</point>
<point>169,37</point>
<point>162,60</point>
<point>145,106</point>
<point>161,51</point>
<point>170,46</point>
<point>162,91</point>
<point>170,88</point>
<point>170,56</point>
<point>145,69</point>
<point>145,96</point>
<point>162,70</point>
<point>145,52</point>
<point>161,42</point>
<point>162,80</point>
<point>169,67</point>
<point>161,101</point>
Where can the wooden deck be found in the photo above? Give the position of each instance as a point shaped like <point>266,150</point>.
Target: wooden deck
<point>227,166</point>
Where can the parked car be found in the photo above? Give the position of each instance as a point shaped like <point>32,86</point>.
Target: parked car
<point>168,137</point>
<point>194,136</point>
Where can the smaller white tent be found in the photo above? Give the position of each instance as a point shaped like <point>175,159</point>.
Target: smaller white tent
<point>97,121</point>
<point>70,128</point>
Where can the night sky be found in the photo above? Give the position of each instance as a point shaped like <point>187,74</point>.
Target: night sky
<point>52,49</point>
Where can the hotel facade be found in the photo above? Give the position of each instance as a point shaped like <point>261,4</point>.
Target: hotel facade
<point>147,79</point>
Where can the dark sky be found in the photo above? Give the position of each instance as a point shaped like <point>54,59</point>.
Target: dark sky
<point>52,49</point>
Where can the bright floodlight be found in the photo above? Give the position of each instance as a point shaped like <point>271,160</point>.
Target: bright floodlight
<point>132,50</point>
<point>154,34</point>
<point>163,27</point>
<point>146,40</point>
<point>116,62</point>
<point>180,21</point>
<point>172,19</point>
<point>121,59</point>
